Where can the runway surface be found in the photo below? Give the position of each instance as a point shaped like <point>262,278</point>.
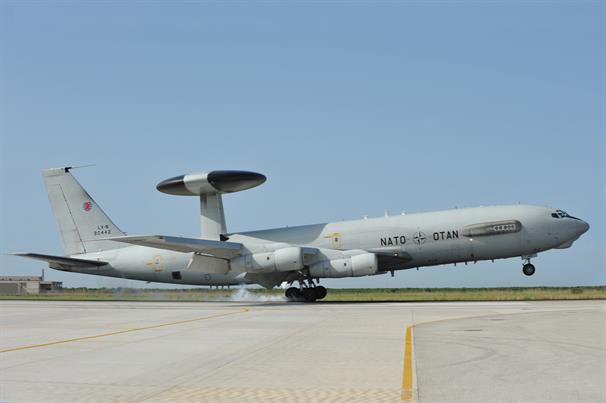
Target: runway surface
<point>239,352</point>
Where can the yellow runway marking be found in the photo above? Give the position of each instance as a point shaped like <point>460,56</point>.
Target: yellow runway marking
<point>136,329</point>
<point>407,390</point>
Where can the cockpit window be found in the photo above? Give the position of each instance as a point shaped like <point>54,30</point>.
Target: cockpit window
<point>560,214</point>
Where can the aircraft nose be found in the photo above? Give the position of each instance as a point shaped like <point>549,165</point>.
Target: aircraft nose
<point>582,227</point>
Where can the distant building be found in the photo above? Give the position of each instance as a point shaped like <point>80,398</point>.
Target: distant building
<point>17,285</point>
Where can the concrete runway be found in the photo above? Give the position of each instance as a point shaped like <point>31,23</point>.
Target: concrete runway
<point>241,352</point>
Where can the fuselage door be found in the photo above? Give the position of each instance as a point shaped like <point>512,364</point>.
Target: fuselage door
<point>336,240</point>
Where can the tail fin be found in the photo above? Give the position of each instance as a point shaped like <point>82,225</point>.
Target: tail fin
<point>81,221</point>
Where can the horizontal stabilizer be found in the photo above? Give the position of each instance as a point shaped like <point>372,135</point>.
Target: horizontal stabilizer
<point>219,249</point>
<point>62,260</point>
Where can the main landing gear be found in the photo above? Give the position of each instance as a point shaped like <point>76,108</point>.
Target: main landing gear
<point>305,293</point>
<point>528,268</point>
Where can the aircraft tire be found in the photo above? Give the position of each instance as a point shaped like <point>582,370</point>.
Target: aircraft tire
<point>293,294</point>
<point>528,269</point>
<point>309,294</point>
<point>320,292</point>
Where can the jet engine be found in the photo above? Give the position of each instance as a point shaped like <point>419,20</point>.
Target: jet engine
<point>363,264</point>
<point>284,259</point>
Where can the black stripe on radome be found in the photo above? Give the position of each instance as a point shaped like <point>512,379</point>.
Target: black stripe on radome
<point>174,186</point>
<point>235,181</point>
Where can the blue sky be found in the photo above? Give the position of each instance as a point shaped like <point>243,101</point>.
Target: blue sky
<point>350,109</point>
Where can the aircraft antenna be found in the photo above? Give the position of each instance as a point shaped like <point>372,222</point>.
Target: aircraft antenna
<point>209,187</point>
<point>81,166</point>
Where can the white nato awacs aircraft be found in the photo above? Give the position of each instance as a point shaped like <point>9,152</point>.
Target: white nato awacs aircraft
<point>303,255</point>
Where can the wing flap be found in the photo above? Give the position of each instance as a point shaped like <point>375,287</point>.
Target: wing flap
<point>218,249</point>
<point>268,280</point>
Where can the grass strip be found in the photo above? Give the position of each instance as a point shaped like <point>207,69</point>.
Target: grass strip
<point>334,294</point>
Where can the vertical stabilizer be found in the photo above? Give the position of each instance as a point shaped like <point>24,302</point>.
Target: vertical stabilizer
<point>82,223</point>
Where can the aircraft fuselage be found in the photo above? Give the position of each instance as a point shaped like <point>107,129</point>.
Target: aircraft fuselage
<point>419,240</point>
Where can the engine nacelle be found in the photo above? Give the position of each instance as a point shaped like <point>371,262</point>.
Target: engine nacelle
<point>284,259</point>
<point>214,182</point>
<point>364,264</point>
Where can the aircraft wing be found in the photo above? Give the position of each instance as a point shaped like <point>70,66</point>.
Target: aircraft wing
<point>218,249</point>
<point>62,260</point>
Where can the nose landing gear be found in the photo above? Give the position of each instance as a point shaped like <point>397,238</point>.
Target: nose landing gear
<point>528,268</point>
